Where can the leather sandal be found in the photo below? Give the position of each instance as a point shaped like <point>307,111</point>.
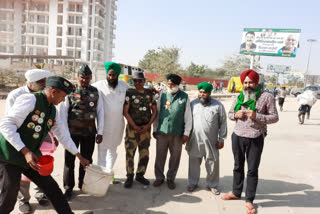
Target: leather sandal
<point>214,190</point>
<point>192,187</point>
<point>157,183</point>
<point>229,196</point>
<point>171,184</point>
<point>250,209</point>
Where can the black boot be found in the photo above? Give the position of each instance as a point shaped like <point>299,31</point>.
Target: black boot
<point>129,181</point>
<point>141,179</point>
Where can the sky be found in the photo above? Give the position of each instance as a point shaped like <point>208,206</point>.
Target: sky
<point>208,31</point>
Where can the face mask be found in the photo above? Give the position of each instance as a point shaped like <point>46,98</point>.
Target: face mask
<point>173,90</point>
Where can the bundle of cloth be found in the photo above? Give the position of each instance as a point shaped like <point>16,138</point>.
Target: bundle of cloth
<point>307,98</point>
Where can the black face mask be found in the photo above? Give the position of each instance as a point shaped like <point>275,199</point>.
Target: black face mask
<point>112,83</point>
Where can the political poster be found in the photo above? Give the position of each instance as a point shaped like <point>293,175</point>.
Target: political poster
<point>278,68</point>
<point>270,42</point>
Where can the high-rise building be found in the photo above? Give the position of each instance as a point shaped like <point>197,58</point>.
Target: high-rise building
<point>82,30</point>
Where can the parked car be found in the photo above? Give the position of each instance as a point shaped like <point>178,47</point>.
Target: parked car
<point>315,89</point>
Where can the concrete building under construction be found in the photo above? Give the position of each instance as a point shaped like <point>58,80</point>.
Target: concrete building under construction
<point>58,32</point>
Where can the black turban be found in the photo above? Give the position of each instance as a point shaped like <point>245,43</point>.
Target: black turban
<point>174,78</point>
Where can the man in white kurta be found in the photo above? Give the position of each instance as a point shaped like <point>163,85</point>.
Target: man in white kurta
<point>36,81</point>
<point>113,93</point>
<point>12,136</point>
<point>208,134</point>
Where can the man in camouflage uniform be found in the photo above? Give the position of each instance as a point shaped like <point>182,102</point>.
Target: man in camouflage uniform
<point>80,111</point>
<point>140,111</point>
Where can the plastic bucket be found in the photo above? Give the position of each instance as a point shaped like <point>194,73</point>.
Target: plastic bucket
<point>25,178</point>
<point>96,180</point>
<point>45,164</point>
<point>48,148</point>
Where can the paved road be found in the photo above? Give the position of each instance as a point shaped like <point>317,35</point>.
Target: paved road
<point>289,177</point>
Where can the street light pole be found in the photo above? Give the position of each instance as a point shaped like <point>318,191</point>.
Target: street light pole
<point>306,73</point>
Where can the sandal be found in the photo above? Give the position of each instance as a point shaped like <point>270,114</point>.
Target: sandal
<point>192,187</point>
<point>229,196</point>
<point>250,209</point>
<point>215,191</point>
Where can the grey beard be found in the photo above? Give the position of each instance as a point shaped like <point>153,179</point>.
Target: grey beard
<point>204,101</point>
<point>249,94</point>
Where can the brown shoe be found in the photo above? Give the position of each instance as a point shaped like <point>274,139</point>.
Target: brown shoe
<point>157,183</point>
<point>171,184</point>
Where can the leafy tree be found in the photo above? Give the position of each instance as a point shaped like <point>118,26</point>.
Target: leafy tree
<point>300,84</point>
<point>218,73</point>
<point>235,64</point>
<point>271,79</point>
<point>195,70</point>
<point>162,61</point>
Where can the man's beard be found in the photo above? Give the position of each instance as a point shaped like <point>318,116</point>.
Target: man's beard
<point>249,93</point>
<point>173,90</point>
<point>37,87</point>
<point>204,100</point>
<point>112,83</point>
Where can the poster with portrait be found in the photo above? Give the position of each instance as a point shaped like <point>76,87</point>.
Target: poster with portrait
<point>270,41</point>
<point>278,68</point>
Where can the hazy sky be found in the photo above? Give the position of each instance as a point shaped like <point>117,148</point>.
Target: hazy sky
<point>207,30</point>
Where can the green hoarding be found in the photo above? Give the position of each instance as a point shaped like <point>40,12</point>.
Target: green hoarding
<point>270,42</point>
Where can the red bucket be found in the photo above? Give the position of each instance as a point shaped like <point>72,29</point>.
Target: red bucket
<point>45,164</point>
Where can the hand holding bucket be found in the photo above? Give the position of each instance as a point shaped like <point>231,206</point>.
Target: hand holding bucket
<point>45,164</point>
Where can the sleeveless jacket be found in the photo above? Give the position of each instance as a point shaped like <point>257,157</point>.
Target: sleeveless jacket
<point>83,111</point>
<point>171,115</point>
<point>32,132</point>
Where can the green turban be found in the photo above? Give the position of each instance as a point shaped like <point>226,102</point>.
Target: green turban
<point>114,66</point>
<point>207,87</point>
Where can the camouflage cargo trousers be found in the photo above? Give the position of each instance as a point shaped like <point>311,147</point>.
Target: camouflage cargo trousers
<point>133,140</point>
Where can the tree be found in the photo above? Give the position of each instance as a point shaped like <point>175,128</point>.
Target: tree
<point>195,70</point>
<point>162,61</point>
<point>272,79</point>
<point>234,65</point>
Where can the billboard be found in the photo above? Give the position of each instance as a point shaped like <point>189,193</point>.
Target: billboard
<point>270,41</point>
<point>278,68</point>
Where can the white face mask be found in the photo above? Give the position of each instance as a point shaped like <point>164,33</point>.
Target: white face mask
<point>173,90</point>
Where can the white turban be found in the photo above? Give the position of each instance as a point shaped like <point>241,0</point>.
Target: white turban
<point>36,74</point>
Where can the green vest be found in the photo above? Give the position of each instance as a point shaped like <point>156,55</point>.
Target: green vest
<point>83,111</point>
<point>32,132</point>
<point>171,116</point>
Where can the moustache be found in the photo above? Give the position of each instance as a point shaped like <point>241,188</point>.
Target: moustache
<point>249,89</point>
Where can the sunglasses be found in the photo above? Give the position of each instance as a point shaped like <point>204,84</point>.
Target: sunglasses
<point>138,80</point>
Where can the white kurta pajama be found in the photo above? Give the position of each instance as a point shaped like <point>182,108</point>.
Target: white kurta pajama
<point>113,100</point>
<point>209,127</point>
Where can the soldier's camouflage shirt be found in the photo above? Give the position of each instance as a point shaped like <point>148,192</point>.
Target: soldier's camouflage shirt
<point>140,105</point>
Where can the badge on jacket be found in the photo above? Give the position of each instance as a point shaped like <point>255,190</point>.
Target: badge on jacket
<point>168,103</point>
